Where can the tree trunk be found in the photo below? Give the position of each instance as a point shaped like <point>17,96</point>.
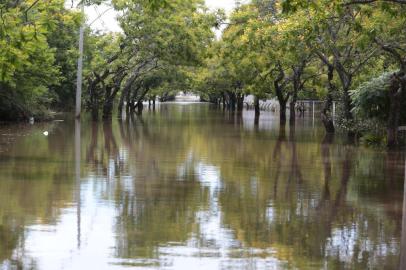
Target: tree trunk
<point>292,111</point>
<point>109,97</point>
<point>282,112</point>
<point>140,106</point>
<point>347,103</point>
<point>93,100</point>
<point>132,107</point>
<point>95,113</point>
<point>346,81</point>
<point>240,102</point>
<point>282,99</point>
<point>95,92</point>
<point>395,93</point>
<point>108,109</point>
<point>128,106</point>
<point>257,110</point>
<point>125,97</point>
<point>297,86</point>
<point>108,103</point>
<point>326,117</point>
<point>124,94</point>
<point>232,101</point>
<point>347,112</point>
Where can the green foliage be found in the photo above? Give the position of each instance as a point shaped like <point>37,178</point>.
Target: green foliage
<point>269,48</point>
<point>371,99</point>
<point>372,139</point>
<point>26,60</point>
<point>37,57</point>
<point>153,55</point>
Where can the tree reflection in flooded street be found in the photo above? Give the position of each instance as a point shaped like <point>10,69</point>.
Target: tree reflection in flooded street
<point>187,186</point>
<point>402,264</point>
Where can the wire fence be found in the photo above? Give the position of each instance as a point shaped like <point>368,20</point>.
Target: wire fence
<point>309,107</point>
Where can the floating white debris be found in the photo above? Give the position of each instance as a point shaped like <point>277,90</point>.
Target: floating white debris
<point>31,120</point>
<point>46,133</point>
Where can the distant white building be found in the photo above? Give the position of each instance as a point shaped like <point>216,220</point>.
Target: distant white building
<point>186,97</point>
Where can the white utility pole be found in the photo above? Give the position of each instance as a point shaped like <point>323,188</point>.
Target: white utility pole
<point>80,68</point>
<point>78,182</point>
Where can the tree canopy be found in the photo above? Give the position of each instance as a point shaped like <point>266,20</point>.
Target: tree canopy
<point>284,49</point>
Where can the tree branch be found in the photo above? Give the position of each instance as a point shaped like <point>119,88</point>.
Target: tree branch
<point>361,2</point>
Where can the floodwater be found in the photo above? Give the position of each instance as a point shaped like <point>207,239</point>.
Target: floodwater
<point>190,187</point>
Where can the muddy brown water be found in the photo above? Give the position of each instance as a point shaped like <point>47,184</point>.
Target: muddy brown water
<point>190,187</point>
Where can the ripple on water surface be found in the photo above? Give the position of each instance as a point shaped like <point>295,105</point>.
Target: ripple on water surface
<point>189,186</point>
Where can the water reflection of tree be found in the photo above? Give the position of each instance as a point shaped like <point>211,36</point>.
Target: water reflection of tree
<point>159,205</point>
<point>36,184</point>
<point>295,172</point>
<point>278,157</point>
<point>306,201</point>
<point>314,207</point>
<point>325,155</point>
<point>158,202</point>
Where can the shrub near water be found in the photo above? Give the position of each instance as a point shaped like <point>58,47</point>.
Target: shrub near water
<point>371,108</point>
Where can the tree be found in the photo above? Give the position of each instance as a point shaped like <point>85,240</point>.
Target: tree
<point>386,28</point>
<point>153,38</point>
<point>30,65</point>
<point>279,41</point>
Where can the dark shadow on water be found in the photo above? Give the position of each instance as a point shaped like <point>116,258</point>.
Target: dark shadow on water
<point>326,159</point>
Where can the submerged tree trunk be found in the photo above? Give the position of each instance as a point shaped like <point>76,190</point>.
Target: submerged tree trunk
<point>232,101</point>
<point>292,111</point>
<point>282,112</point>
<point>111,92</point>
<point>326,116</point>
<point>347,105</point>
<point>397,87</point>
<point>240,102</point>
<point>132,106</point>
<point>128,106</point>
<point>124,97</point>
<point>298,85</point>
<point>109,97</point>
<point>346,81</point>
<point>257,110</point>
<point>93,104</point>
<point>108,109</point>
<point>140,106</point>
<point>94,100</point>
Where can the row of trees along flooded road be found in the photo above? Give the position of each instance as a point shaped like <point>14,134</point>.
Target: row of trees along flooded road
<point>188,186</point>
